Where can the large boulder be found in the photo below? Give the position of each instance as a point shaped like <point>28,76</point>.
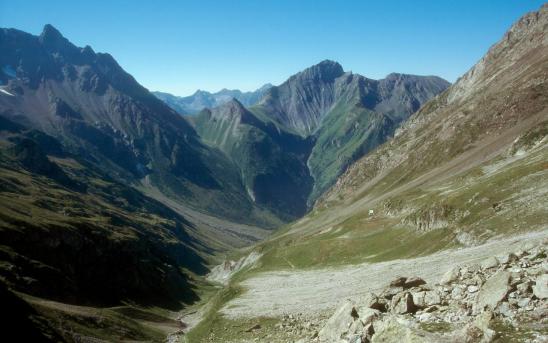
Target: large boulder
<point>494,291</point>
<point>450,276</point>
<point>432,298</point>
<point>398,330</point>
<point>340,323</point>
<point>371,300</point>
<point>540,290</point>
<point>413,281</point>
<point>402,303</point>
<point>490,262</point>
<point>398,282</point>
<point>367,315</point>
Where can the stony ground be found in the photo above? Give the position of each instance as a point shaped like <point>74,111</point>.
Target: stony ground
<point>315,293</point>
<point>502,299</point>
<point>443,301</point>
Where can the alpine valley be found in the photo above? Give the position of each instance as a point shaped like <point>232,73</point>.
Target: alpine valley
<point>329,208</point>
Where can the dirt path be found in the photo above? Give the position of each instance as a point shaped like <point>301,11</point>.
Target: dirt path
<point>311,292</point>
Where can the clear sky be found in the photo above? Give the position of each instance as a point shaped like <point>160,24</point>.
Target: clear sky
<point>181,46</point>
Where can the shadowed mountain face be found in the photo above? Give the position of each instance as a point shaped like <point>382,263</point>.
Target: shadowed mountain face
<point>70,232</point>
<point>272,162</point>
<point>202,99</point>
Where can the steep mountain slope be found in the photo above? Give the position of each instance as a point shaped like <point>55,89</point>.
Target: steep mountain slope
<point>95,108</point>
<point>202,99</point>
<point>272,162</point>
<point>364,116</point>
<point>63,223</point>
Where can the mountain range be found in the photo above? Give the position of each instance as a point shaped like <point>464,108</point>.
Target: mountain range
<point>196,102</point>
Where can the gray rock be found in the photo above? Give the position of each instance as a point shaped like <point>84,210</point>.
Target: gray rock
<point>540,289</point>
<point>418,299</point>
<point>367,315</point>
<point>402,303</point>
<point>432,298</point>
<point>371,300</point>
<point>397,330</point>
<point>494,290</point>
<point>523,302</point>
<point>491,262</point>
<point>450,276</point>
<point>355,331</point>
<point>398,282</point>
<point>506,310</point>
<point>483,322</point>
<point>472,289</point>
<point>339,324</point>
<point>413,281</point>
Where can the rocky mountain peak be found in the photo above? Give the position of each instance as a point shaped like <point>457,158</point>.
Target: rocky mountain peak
<point>326,71</point>
<point>52,38</point>
<point>233,106</point>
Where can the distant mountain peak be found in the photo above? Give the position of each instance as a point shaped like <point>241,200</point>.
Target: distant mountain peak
<point>265,87</point>
<point>234,104</point>
<point>50,34</point>
<point>203,99</point>
<point>326,70</point>
<point>52,39</point>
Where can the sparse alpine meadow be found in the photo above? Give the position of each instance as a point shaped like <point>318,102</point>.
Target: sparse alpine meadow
<point>327,207</point>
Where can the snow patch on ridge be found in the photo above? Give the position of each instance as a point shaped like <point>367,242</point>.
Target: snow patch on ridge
<point>5,92</point>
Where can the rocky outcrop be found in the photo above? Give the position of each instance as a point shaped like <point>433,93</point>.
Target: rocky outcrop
<point>223,272</point>
<point>468,300</point>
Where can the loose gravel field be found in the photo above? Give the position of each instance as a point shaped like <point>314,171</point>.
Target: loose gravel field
<point>312,292</point>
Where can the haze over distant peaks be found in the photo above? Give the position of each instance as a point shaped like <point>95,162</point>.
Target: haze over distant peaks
<point>196,102</point>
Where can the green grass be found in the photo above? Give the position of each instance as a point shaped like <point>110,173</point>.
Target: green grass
<point>347,133</point>
<point>122,323</point>
<point>211,319</point>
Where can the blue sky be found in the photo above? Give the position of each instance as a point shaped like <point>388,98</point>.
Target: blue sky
<point>181,46</point>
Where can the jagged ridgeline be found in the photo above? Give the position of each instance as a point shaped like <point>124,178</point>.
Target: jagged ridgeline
<point>200,100</point>
<point>293,144</point>
<point>98,111</point>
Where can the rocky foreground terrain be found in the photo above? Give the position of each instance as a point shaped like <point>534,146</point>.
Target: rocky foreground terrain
<point>498,294</point>
<point>500,299</point>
